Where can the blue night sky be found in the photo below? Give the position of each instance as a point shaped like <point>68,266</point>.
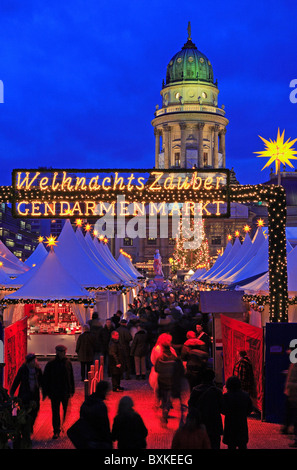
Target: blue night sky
<point>82,78</point>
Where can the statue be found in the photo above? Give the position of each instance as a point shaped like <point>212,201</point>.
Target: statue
<point>158,264</point>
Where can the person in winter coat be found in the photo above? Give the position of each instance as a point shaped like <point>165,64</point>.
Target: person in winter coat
<point>195,359</point>
<point>202,336</point>
<point>128,426</point>
<point>192,434</point>
<point>29,381</point>
<point>105,335</point>
<point>115,366</point>
<point>139,350</point>
<point>95,330</point>
<point>207,398</point>
<point>94,412</point>
<point>163,340</point>
<point>236,407</point>
<point>168,368</point>
<point>125,339</point>
<point>58,385</point>
<point>85,348</point>
<point>243,369</point>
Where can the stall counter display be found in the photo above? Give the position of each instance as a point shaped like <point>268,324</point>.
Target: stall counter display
<point>49,325</point>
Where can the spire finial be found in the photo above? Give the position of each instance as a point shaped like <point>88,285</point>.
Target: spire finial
<point>189,31</point>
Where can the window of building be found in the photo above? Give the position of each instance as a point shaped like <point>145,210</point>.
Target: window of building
<point>128,241</point>
<point>151,241</point>
<point>216,241</point>
<point>28,247</point>
<point>171,241</point>
<point>177,159</point>
<point>18,253</point>
<point>9,242</point>
<point>22,224</point>
<point>205,158</point>
<point>18,236</point>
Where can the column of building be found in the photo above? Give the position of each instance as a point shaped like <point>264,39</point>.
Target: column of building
<point>222,146</point>
<point>200,144</point>
<point>157,146</point>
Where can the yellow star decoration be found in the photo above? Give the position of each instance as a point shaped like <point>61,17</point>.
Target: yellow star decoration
<point>51,241</point>
<point>78,222</point>
<point>246,228</point>
<point>40,239</point>
<point>278,151</point>
<point>229,237</point>
<point>260,223</point>
<point>237,233</point>
<point>88,227</point>
<point>95,233</point>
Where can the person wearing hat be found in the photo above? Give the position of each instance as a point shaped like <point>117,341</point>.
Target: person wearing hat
<point>29,381</point>
<point>58,385</point>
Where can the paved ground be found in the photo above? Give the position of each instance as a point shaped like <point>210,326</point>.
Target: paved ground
<point>262,435</point>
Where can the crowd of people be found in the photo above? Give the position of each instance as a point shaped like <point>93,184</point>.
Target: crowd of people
<point>163,338</point>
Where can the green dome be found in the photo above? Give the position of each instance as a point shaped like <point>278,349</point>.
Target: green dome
<point>189,65</point>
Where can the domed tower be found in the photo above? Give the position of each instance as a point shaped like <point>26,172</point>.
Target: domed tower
<point>189,127</point>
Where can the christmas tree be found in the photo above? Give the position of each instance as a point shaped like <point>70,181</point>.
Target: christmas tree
<point>191,247</point>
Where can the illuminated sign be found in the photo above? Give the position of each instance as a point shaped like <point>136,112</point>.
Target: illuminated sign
<point>44,193</point>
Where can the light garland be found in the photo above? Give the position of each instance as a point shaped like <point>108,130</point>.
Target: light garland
<point>272,195</point>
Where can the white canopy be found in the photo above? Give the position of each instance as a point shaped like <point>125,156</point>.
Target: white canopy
<point>246,255</point>
<point>38,255</point>
<point>95,257</point>
<point>105,252</point>
<point>9,259</point>
<point>50,281</point>
<point>5,280</point>
<point>240,253</point>
<point>221,259</point>
<point>234,250</point>
<point>75,259</point>
<point>256,266</point>
<point>196,274</point>
<point>261,285</point>
<point>125,262</point>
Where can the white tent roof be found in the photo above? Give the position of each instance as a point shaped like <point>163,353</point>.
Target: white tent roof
<point>221,259</point>
<point>5,280</point>
<point>77,262</point>
<point>10,257</point>
<point>125,262</point>
<point>22,278</point>
<point>261,285</point>
<point>50,281</point>
<point>37,256</point>
<point>11,268</point>
<point>196,274</point>
<point>241,252</point>
<point>95,257</point>
<point>235,248</point>
<point>257,265</point>
<point>246,255</point>
<point>105,252</point>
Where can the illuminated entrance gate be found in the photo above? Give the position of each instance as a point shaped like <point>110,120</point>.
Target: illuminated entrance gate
<point>73,193</point>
